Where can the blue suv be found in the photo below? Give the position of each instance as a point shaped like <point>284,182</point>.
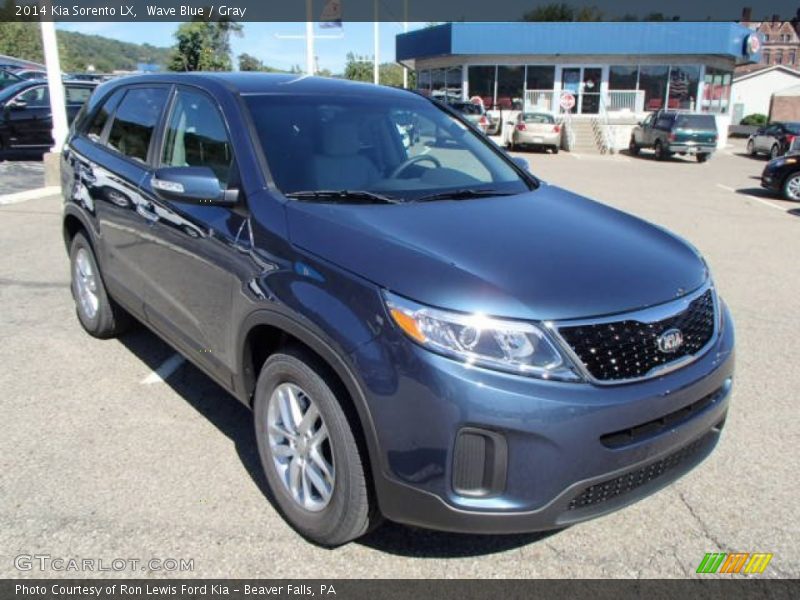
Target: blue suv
<point>424,330</point>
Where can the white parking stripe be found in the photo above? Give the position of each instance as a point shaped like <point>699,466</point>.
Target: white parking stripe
<point>29,195</point>
<point>167,368</point>
<point>756,198</point>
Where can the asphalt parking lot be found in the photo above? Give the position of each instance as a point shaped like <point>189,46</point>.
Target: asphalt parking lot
<point>105,453</point>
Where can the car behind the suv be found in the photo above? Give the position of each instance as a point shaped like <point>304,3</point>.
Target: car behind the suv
<point>673,132</point>
<point>425,331</point>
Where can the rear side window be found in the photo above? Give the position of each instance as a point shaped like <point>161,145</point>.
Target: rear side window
<point>196,136</point>
<point>98,122</point>
<point>793,128</point>
<point>663,123</point>
<point>136,120</point>
<point>77,94</point>
<point>696,122</point>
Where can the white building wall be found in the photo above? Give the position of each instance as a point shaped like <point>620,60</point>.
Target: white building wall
<point>754,93</point>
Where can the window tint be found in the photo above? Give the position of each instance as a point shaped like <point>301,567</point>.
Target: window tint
<point>538,118</point>
<point>468,108</point>
<point>696,122</point>
<point>101,117</point>
<point>196,136</point>
<point>77,95</point>
<point>36,97</point>
<point>135,121</point>
<point>793,128</point>
<point>663,123</point>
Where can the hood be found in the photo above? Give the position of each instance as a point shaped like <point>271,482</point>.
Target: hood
<point>546,254</point>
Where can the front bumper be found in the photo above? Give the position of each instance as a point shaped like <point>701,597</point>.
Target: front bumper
<point>557,470</point>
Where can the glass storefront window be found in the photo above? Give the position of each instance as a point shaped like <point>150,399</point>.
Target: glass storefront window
<point>438,84</point>
<point>510,85</point>
<point>653,80</point>
<point>716,90</point>
<point>623,77</point>
<point>481,84</point>
<point>424,82</point>
<point>540,77</point>
<point>454,84</point>
<point>683,81</point>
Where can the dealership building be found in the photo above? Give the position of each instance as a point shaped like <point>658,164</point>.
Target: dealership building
<point>612,70</point>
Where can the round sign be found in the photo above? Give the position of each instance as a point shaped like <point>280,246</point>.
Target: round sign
<point>567,101</point>
<point>477,100</point>
<point>753,43</point>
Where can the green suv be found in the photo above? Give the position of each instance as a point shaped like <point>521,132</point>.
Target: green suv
<point>673,132</point>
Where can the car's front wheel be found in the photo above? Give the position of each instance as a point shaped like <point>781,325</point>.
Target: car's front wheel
<point>312,461</point>
<point>99,315</point>
<point>791,187</point>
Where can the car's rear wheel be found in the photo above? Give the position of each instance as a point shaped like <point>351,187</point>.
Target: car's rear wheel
<point>315,469</point>
<point>702,157</point>
<point>791,187</point>
<point>751,148</point>
<point>99,315</point>
<point>633,147</point>
<point>774,152</point>
<point>661,154</point>
<point>554,149</point>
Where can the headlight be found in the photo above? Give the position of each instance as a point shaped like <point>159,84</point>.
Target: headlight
<point>512,346</point>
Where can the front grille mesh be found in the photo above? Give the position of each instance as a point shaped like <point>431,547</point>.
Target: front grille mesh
<point>628,349</point>
<point>613,488</point>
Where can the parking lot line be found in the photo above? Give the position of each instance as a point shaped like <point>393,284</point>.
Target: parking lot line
<point>756,198</point>
<point>29,195</point>
<point>167,368</point>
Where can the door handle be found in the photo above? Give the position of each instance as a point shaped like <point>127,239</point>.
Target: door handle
<point>145,212</point>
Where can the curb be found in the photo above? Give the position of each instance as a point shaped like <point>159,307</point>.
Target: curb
<point>29,195</point>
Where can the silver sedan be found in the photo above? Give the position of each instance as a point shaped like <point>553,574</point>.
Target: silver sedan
<point>537,130</point>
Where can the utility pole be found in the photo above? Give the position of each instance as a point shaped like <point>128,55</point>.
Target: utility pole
<point>309,37</point>
<point>56,87</point>
<point>405,30</point>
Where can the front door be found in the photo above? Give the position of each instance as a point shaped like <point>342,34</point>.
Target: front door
<point>583,83</point>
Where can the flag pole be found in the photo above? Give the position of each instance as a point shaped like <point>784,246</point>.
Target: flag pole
<point>376,79</point>
<point>405,30</point>
<point>309,37</point>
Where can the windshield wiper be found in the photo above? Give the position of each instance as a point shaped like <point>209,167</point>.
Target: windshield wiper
<point>360,196</point>
<point>463,195</point>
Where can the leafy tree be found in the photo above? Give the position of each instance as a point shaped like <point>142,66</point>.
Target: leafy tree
<point>358,68</point>
<point>204,46</point>
<point>550,12</point>
<point>248,62</point>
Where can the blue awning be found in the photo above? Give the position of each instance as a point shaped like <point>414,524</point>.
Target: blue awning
<point>579,38</point>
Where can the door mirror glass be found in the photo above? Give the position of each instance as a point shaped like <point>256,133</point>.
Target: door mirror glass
<point>198,185</point>
<point>17,104</point>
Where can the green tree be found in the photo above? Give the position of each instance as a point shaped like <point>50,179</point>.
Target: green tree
<point>248,62</point>
<point>204,46</point>
<point>551,12</point>
<point>358,68</point>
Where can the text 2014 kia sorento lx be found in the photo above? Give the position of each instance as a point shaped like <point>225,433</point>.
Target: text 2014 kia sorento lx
<point>424,330</point>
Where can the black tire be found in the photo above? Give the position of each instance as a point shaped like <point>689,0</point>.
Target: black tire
<point>109,319</point>
<point>774,152</point>
<point>555,149</point>
<point>633,147</point>
<point>788,183</point>
<point>751,148</point>
<point>350,512</point>
<point>661,154</point>
<point>702,157</point>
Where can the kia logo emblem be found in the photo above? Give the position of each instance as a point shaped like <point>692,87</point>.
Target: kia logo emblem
<point>670,341</point>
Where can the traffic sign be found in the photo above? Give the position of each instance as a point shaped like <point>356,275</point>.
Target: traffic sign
<point>567,101</point>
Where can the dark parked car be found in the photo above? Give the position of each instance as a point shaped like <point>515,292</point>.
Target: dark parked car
<point>26,120</point>
<point>782,175</point>
<point>773,140</point>
<point>670,132</point>
<point>427,333</point>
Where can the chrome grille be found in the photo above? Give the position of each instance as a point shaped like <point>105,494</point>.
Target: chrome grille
<point>628,349</point>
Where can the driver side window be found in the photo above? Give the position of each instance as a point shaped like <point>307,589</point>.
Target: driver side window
<point>37,97</point>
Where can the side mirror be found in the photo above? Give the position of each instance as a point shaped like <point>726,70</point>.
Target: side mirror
<point>17,104</point>
<point>198,185</point>
<point>521,163</point>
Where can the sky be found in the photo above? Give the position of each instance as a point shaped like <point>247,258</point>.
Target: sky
<point>262,40</point>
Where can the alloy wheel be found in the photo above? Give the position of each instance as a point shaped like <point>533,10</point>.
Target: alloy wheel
<point>774,152</point>
<point>300,447</point>
<point>793,187</point>
<point>86,284</point>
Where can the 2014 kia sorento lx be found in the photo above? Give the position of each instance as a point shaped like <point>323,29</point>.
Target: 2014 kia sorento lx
<point>424,330</point>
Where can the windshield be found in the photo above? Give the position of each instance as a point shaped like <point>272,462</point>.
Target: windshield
<point>403,148</point>
<point>696,122</point>
<point>538,118</point>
